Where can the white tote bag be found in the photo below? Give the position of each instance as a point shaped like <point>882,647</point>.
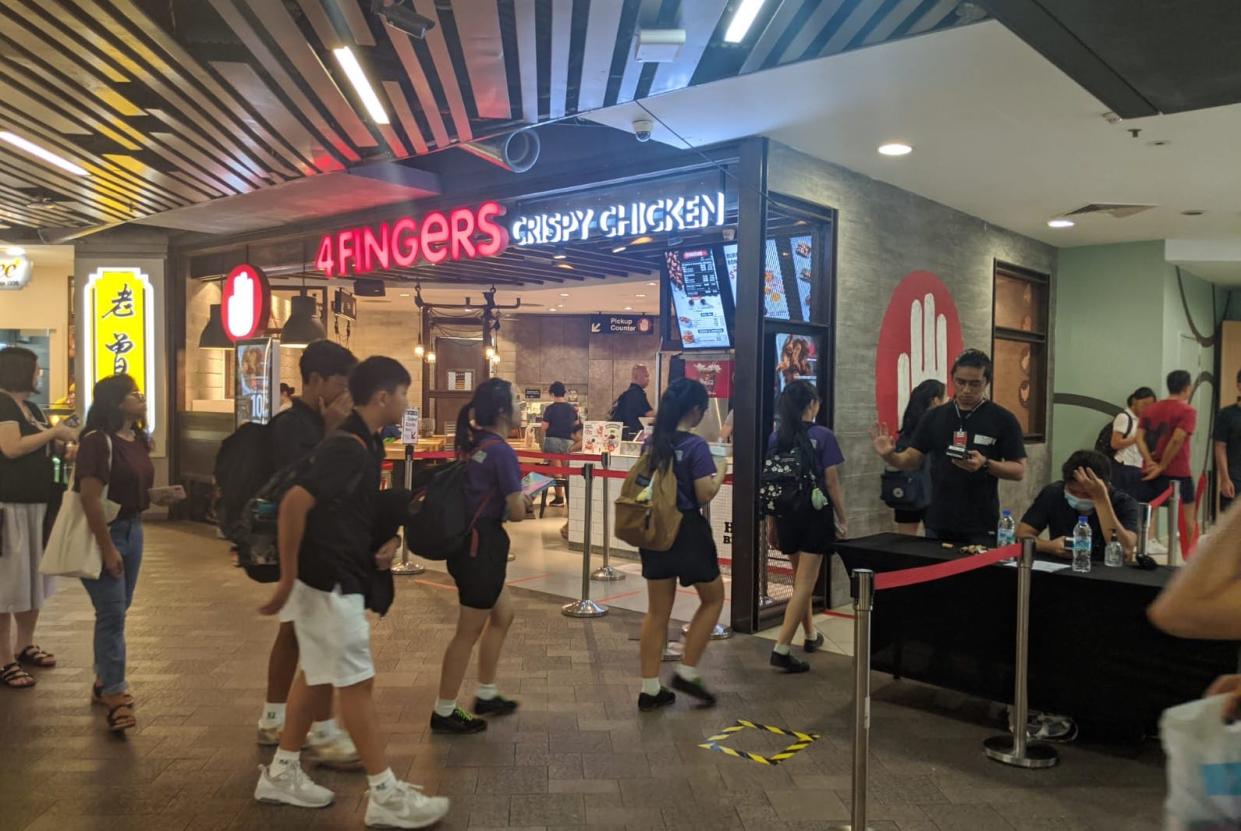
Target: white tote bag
<point>1204,767</point>
<point>72,550</point>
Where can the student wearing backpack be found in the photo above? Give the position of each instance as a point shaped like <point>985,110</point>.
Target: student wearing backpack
<point>692,558</point>
<point>1122,442</point>
<point>322,407</point>
<point>494,496</point>
<point>806,534</point>
<point>327,564</point>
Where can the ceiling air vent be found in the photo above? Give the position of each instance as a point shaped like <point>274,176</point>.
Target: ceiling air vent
<point>1117,210</point>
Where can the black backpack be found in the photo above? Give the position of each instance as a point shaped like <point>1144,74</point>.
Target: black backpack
<point>788,480</point>
<point>1103,442</point>
<point>243,465</point>
<point>440,524</point>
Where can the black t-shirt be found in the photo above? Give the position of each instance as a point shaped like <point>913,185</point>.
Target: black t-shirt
<point>344,480</point>
<point>294,433</point>
<point>26,480</point>
<point>1228,430</point>
<point>631,406</point>
<point>964,504</point>
<point>561,420</point>
<point>1051,513</point>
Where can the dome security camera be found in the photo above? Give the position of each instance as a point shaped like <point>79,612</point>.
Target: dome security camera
<point>642,129</point>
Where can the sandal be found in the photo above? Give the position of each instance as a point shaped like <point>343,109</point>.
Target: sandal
<point>96,696</point>
<point>36,657</point>
<point>12,675</point>
<point>121,718</point>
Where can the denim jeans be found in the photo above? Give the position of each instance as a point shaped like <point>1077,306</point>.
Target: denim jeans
<point>111,597</point>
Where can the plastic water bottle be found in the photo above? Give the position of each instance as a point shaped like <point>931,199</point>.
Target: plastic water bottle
<point>1113,554</point>
<point>1081,545</point>
<point>1006,531</point>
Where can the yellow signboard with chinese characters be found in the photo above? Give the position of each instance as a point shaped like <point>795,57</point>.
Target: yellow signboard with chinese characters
<point>119,330</point>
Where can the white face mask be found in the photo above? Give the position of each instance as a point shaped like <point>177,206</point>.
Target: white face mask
<point>1083,506</point>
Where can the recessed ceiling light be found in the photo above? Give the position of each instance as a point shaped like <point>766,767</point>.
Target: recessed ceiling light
<point>565,266</point>
<point>895,148</point>
<point>1060,223</point>
<point>629,308</point>
<point>361,85</point>
<point>639,295</point>
<point>652,283</point>
<point>560,254</point>
<point>619,249</point>
<point>405,294</point>
<point>553,309</point>
<point>46,155</point>
<point>15,251</point>
<point>564,294</point>
<point>743,19</point>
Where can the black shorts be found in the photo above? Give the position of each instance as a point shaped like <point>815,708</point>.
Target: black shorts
<point>480,576</point>
<point>1152,490</point>
<point>911,517</point>
<point>813,532</point>
<point>692,558</point>
<point>1128,478</point>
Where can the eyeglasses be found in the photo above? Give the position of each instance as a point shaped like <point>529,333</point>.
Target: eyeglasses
<point>964,384</point>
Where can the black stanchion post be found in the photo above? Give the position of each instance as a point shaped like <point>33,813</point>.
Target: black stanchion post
<point>1014,749</point>
<point>586,608</point>
<point>406,565</point>
<point>1174,526</point>
<point>1144,525</point>
<point>863,601</point>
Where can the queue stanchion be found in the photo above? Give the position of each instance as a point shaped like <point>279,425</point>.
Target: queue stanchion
<point>1014,749</point>
<point>408,566</point>
<point>605,573</point>
<point>1174,526</point>
<point>1144,525</point>
<point>586,608</point>
<point>863,584</point>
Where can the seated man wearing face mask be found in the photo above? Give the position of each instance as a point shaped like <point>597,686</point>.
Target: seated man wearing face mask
<point>1084,491</point>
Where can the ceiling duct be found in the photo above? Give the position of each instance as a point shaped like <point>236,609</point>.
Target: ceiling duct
<point>1117,210</point>
<point>516,152</point>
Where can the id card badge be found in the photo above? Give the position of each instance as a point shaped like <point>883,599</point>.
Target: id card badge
<point>960,440</point>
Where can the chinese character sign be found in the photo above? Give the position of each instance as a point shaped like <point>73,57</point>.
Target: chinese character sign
<point>119,330</point>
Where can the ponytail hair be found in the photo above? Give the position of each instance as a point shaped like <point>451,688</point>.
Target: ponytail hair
<point>493,400</point>
<point>919,403</point>
<point>681,396</point>
<point>796,397</point>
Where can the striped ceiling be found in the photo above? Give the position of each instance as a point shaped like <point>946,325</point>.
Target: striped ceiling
<point>169,103</point>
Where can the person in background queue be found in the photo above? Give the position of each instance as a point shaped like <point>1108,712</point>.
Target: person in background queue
<point>806,538</point>
<point>1227,437</point>
<point>286,397</point>
<point>115,459</point>
<point>1126,457</point>
<point>973,443</point>
<point>925,397</point>
<point>632,405</point>
<point>322,407</point>
<point>1163,439</point>
<point>327,568</point>
<point>493,493</point>
<point>560,423</point>
<point>1083,491</point>
<point>692,559</point>
<point>26,480</point>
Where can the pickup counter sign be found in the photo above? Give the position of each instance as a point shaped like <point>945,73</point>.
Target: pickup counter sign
<point>621,325</point>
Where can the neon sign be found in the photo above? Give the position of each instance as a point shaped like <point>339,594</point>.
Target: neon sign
<point>459,234</point>
<point>119,331</point>
<point>246,303</point>
<point>668,214</point>
<point>14,273</point>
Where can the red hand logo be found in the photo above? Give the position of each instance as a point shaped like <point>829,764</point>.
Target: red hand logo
<point>920,335</point>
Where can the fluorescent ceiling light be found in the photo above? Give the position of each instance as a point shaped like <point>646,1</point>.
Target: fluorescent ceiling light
<point>15,251</point>
<point>652,283</point>
<point>895,148</point>
<point>639,295</point>
<point>564,294</point>
<point>349,63</point>
<point>46,155</point>
<point>629,308</point>
<point>742,20</point>
<point>619,249</point>
<point>1060,223</point>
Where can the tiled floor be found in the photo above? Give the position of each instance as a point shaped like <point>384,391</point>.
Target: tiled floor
<point>577,755</point>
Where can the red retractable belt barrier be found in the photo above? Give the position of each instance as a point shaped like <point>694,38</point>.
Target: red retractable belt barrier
<point>554,472</point>
<point>558,457</point>
<point>1158,501</point>
<point>925,574</point>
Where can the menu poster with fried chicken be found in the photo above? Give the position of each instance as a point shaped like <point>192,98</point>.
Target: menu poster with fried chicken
<point>803,271</point>
<point>696,298</point>
<point>601,437</point>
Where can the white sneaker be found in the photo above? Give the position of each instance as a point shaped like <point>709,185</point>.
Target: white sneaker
<point>291,787</point>
<point>404,806</point>
<point>336,751</point>
<point>1156,547</point>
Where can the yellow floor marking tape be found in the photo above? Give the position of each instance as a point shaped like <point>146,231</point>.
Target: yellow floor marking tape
<point>803,740</point>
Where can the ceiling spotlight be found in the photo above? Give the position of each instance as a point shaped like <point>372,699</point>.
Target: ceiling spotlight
<point>565,266</point>
<point>420,350</point>
<point>405,294</point>
<point>619,249</point>
<point>430,357</point>
<point>652,283</point>
<point>560,254</point>
<point>553,309</point>
<point>46,155</point>
<point>642,240</point>
<point>895,148</point>
<point>15,251</point>
<point>402,17</point>
<point>564,294</point>
<point>639,295</point>
<point>629,308</point>
<point>1060,223</point>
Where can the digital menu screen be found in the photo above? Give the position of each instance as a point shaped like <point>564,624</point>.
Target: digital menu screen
<point>797,359</point>
<point>696,298</point>
<point>802,249</point>
<point>788,272</point>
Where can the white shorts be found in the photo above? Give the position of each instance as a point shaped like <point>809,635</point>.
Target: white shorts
<point>333,636</point>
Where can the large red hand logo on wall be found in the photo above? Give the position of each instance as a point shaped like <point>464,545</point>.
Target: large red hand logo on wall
<point>920,335</point>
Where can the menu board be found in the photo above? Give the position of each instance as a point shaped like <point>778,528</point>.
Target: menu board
<point>257,380</point>
<point>775,291</point>
<point>601,436</point>
<point>803,271</point>
<point>696,298</point>
<point>730,261</point>
<point>797,359</point>
<point>775,297</point>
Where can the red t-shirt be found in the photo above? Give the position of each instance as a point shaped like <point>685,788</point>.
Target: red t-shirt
<point>1160,421</point>
<point>128,474</point>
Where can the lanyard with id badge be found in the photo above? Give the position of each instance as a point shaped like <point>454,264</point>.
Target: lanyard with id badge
<point>959,448</point>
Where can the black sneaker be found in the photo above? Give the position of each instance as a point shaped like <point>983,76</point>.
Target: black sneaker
<point>460,723</point>
<point>816,644</point>
<point>694,689</point>
<point>648,702</point>
<point>789,662</point>
<point>556,503</point>
<point>498,706</point>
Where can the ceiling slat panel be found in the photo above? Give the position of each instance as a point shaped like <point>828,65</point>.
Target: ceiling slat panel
<point>393,141</point>
<point>891,20</point>
<point>562,23</point>
<point>236,174</point>
<point>66,41</point>
<point>396,98</point>
<point>647,16</point>
<point>478,25</point>
<point>418,80</point>
<point>321,23</point>
<point>771,36</point>
<point>934,16</point>
<point>527,51</point>
<point>699,19</point>
<point>447,75</point>
<point>356,21</point>
<point>851,26</point>
<point>810,29</point>
<point>69,186</point>
<point>597,61</point>
<point>205,162</point>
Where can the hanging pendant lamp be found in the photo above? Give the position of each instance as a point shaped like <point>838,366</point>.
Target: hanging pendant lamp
<point>303,326</point>
<point>213,335</point>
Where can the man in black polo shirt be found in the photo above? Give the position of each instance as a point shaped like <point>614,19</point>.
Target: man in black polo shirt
<point>322,407</point>
<point>973,443</point>
<point>632,404</point>
<point>1084,491</point>
<point>1227,438</point>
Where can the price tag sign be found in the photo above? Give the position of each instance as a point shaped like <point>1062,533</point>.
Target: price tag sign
<point>409,426</point>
